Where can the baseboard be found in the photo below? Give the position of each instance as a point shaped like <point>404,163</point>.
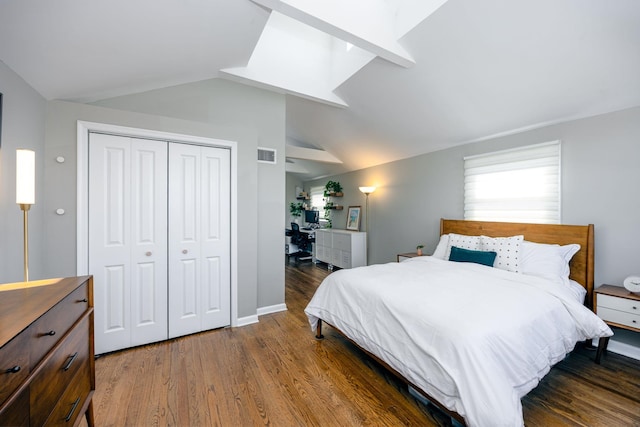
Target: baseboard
<point>621,348</point>
<point>244,321</point>
<point>272,309</point>
<point>624,349</point>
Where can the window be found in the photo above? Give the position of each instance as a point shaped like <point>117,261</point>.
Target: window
<point>317,199</point>
<point>519,185</point>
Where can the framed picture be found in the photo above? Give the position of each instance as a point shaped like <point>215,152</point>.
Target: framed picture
<point>353,218</point>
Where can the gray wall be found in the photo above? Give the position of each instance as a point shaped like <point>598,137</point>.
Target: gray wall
<point>600,177</point>
<point>23,117</point>
<point>213,108</point>
<point>293,181</point>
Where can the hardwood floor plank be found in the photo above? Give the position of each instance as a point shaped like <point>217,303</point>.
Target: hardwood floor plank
<point>276,373</point>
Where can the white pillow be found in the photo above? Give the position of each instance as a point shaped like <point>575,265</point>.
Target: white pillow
<point>441,249</point>
<point>548,261</point>
<point>508,250</point>
<point>462,241</point>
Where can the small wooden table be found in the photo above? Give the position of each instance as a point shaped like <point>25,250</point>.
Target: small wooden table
<point>406,255</point>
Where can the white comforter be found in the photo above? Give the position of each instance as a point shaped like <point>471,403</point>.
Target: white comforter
<point>475,338</point>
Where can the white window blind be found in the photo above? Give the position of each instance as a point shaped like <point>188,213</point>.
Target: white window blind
<point>519,185</point>
<point>317,199</point>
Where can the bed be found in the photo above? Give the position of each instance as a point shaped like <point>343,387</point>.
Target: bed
<point>471,338</point>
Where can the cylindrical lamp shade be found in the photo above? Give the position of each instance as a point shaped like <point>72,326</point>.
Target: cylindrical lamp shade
<point>25,177</point>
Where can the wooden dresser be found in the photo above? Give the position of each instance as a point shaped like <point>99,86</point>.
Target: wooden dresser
<point>47,371</point>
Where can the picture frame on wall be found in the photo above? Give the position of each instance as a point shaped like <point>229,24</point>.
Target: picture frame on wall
<point>353,218</point>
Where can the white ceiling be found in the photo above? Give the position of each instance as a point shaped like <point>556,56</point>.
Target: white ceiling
<point>454,73</point>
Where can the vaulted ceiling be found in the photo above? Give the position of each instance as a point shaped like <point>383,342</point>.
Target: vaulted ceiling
<point>366,81</point>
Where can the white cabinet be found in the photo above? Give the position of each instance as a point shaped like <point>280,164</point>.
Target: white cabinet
<point>341,248</point>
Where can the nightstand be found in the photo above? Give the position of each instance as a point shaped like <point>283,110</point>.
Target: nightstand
<point>617,307</point>
<point>405,256</point>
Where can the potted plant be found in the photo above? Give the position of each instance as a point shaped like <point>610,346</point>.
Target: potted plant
<point>332,188</point>
<point>419,249</point>
<point>296,209</point>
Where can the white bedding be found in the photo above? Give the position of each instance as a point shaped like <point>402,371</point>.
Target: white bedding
<point>473,337</point>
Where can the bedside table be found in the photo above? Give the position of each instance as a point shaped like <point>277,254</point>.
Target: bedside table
<point>617,307</point>
<point>405,256</point>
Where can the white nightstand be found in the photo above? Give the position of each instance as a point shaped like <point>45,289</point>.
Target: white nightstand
<point>618,307</point>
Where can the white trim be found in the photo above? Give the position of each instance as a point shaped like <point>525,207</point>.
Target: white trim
<point>248,320</point>
<point>82,239</point>
<point>272,309</point>
<point>622,348</point>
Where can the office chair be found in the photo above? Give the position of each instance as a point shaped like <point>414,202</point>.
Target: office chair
<point>302,241</point>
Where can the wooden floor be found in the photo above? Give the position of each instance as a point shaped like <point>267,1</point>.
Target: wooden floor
<point>276,373</point>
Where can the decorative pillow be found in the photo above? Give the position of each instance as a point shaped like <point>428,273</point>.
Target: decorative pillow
<point>467,255</point>
<point>548,261</point>
<point>462,241</point>
<point>508,250</point>
<point>441,249</point>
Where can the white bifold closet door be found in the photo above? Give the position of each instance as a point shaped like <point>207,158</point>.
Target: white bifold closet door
<point>128,240</point>
<point>159,239</point>
<point>199,238</point>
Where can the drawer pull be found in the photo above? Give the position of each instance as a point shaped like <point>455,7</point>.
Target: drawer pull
<point>83,300</point>
<point>13,370</point>
<point>50,333</point>
<point>73,409</point>
<point>70,362</point>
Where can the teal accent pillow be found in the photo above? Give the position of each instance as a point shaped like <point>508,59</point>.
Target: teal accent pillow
<point>467,255</point>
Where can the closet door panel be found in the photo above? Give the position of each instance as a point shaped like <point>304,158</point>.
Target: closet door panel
<point>216,243</point>
<point>184,239</point>
<point>128,240</point>
<point>149,249</point>
<point>110,239</point>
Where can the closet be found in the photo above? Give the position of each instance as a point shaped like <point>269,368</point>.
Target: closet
<point>159,239</point>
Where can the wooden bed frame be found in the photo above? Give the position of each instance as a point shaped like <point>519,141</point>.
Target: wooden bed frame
<point>581,266</point>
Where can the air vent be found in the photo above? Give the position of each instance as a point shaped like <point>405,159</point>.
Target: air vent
<point>266,155</point>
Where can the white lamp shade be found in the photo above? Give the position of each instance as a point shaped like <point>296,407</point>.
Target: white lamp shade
<point>367,190</point>
<point>25,177</point>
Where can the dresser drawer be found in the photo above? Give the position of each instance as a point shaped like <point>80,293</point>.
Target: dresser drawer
<point>70,406</point>
<point>54,377</point>
<point>16,414</point>
<point>342,241</point>
<point>621,304</point>
<point>620,317</point>
<point>14,364</point>
<point>51,326</point>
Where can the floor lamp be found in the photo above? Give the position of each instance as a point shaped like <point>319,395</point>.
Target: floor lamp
<point>25,195</point>
<point>367,191</point>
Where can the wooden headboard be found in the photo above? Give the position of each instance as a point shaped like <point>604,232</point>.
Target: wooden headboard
<point>581,264</point>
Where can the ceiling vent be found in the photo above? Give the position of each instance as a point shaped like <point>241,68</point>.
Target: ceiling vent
<point>266,155</point>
